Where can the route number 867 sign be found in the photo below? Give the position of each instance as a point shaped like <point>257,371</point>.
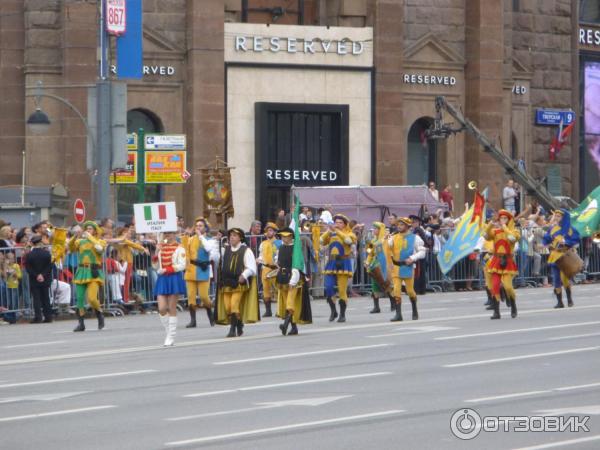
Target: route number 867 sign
<point>115,16</point>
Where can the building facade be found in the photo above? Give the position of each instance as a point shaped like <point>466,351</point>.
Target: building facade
<point>313,92</point>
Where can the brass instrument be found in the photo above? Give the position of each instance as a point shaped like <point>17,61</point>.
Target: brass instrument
<point>596,237</point>
<point>59,243</point>
<point>472,185</point>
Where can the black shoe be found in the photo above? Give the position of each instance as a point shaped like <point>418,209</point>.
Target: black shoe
<point>284,326</point>
<point>398,316</point>
<point>559,301</point>
<point>48,320</point>
<point>232,324</point>
<point>294,330</point>
<point>211,316</point>
<point>334,313</point>
<point>100,318</point>
<point>35,321</point>
<point>496,314</point>
<point>268,312</point>
<point>239,327</point>
<point>192,323</point>
<point>375,309</point>
<point>490,298</point>
<point>513,308</point>
<point>342,317</point>
<point>81,325</point>
<point>415,313</point>
<point>569,298</point>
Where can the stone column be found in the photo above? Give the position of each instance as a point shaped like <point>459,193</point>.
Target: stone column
<point>205,95</point>
<point>12,113</point>
<point>386,17</point>
<point>484,96</point>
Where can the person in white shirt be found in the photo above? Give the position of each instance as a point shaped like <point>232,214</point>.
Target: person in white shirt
<point>238,299</point>
<point>433,191</point>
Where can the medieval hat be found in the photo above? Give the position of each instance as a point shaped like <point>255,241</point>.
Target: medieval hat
<point>286,232</point>
<point>239,232</point>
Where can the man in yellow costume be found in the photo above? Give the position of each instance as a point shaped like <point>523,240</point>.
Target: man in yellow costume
<point>293,300</point>
<point>339,239</point>
<point>407,248</point>
<point>201,250</point>
<point>266,254</point>
<point>501,265</point>
<point>89,276</point>
<point>238,295</point>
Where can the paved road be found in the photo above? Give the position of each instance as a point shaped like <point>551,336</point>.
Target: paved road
<point>364,384</point>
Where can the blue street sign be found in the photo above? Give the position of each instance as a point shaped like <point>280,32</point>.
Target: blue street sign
<point>130,53</point>
<point>553,117</point>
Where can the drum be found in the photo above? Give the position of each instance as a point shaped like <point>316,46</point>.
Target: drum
<point>376,274</point>
<point>570,263</point>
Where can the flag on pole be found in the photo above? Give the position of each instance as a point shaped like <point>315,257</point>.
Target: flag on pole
<point>560,139</point>
<point>297,257</point>
<point>586,217</point>
<point>466,235</point>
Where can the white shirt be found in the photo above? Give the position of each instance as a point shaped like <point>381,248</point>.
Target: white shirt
<point>250,268</point>
<point>326,217</point>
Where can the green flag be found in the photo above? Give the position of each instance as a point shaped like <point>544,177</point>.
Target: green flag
<point>586,217</point>
<point>297,258</point>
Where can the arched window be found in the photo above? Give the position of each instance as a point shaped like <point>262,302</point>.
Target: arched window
<point>128,194</point>
<point>421,154</point>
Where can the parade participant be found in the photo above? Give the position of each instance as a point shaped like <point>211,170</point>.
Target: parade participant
<point>200,250</point>
<point>339,239</point>
<point>89,276</point>
<point>377,266</point>
<point>293,300</point>
<point>171,260</point>
<point>560,237</point>
<point>407,248</point>
<point>420,267</point>
<point>266,253</point>
<point>125,246</point>
<point>237,301</point>
<point>502,265</point>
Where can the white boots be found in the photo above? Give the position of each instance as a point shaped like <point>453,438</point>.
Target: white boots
<point>170,324</point>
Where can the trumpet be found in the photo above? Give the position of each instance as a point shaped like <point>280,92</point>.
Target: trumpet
<point>472,185</point>
<point>596,237</point>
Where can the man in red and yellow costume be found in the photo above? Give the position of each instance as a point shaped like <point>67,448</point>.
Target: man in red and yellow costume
<point>501,265</point>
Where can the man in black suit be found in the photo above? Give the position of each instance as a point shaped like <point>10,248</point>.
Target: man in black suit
<point>39,267</point>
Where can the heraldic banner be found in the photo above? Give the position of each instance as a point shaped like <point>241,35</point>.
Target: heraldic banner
<point>216,188</point>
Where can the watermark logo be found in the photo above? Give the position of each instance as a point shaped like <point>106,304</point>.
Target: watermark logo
<point>467,424</point>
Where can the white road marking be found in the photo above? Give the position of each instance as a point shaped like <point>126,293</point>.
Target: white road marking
<point>265,405</point>
<point>57,413</point>
<point>42,397</point>
<point>288,383</point>
<point>296,355</point>
<point>525,394</point>
<point>220,437</point>
<point>517,358</point>
<point>581,386</point>
<point>86,377</point>
<point>574,336</point>
<point>518,330</point>
<point>305,331</point>
<point>500,397</point>
<point>593,410</point>
<point>562,443</point>
<point>414,330</point>
<point>34,344</point>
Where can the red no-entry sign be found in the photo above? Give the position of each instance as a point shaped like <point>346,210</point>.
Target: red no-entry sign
<point>79,211</point>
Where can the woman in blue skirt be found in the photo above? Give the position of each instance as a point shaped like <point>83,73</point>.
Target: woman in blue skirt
<point>171,260</point>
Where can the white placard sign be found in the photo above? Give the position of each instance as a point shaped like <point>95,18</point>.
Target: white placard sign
<point>155,217</point>
<point>165,142</point>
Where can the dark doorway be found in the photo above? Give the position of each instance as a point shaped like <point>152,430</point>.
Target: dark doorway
<point>300,145</point>
<point>422,154</point>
